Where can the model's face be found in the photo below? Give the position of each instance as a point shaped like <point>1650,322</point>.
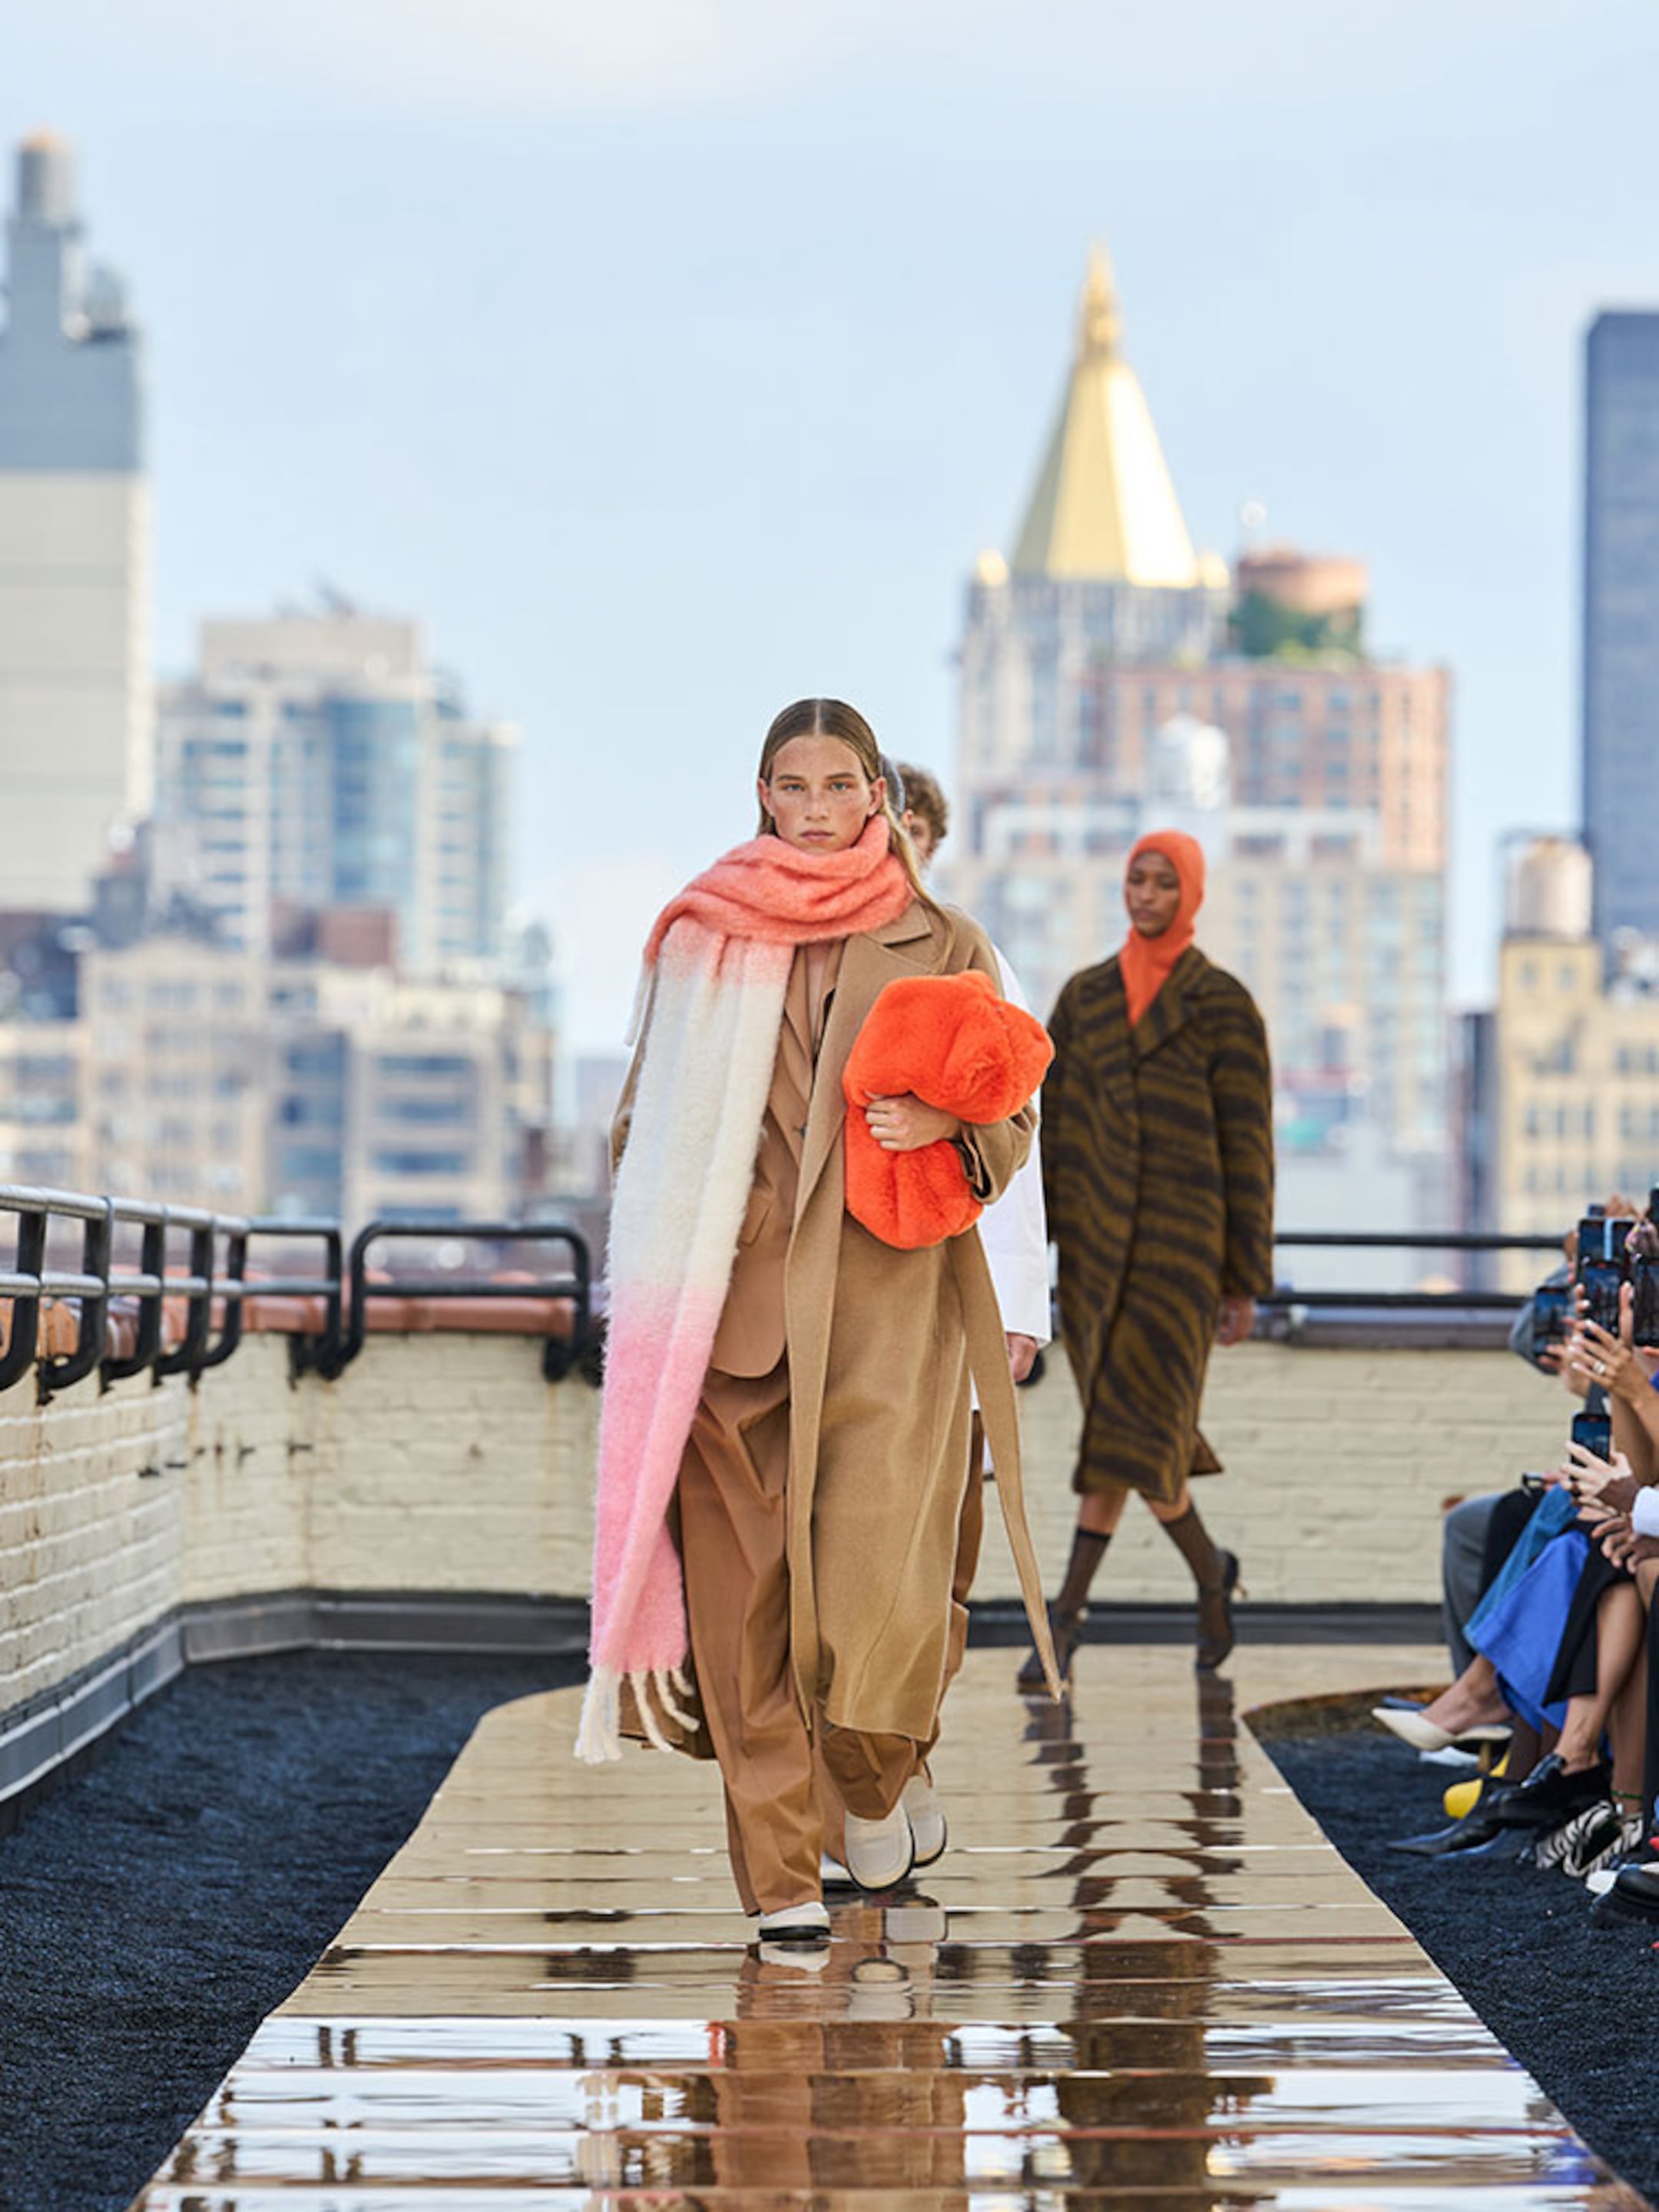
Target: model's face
<point>1151,894</point>
<point>817,796</point>
<point>921,836</point>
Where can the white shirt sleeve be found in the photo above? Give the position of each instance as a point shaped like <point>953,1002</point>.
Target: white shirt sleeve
<point>1644,1514</point>
<point>1014,1231</point>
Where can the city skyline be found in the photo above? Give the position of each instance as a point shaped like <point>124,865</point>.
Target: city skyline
<point>577,396</point>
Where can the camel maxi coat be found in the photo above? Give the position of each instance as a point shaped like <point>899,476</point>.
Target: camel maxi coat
<point>880,1345</point>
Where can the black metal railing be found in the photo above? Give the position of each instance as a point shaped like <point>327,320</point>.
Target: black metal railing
<point>1287,1296</point>
<point>214,1249</point>
<point>211,1254</point>
<point>350,1292</point>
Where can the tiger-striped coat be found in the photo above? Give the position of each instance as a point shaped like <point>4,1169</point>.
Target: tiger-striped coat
<point>1157,1166</point>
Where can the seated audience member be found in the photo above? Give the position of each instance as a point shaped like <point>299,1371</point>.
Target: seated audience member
<point>1478,1532</point>
<point>1562,1641</point>
<point>1620,1504</point>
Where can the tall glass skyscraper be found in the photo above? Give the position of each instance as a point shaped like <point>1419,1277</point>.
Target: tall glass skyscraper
<point>75,675</point>
<point>1621,620</point>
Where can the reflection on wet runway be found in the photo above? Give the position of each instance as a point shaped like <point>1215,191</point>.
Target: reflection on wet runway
<point>1140,1976</point>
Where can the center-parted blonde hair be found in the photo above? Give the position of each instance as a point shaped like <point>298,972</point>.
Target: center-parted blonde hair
<point>834,718</point>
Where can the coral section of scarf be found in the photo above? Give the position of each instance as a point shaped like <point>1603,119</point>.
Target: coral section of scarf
<point>776,894</point>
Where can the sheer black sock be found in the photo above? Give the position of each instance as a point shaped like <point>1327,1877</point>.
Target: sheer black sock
<point>1216,1574</point>
<point>1088,1550</point>
<point>1191,1540</point>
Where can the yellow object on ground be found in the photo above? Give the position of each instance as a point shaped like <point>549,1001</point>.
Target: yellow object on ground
<point>1463,1796</point>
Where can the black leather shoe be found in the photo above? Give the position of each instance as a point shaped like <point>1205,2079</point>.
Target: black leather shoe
<point>1550,1796</point>
<point>1476,1832</point>
<point>1634,1895</point>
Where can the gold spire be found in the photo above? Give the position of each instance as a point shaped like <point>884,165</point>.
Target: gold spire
<point>1100,329</point>
<point>1105,507</point>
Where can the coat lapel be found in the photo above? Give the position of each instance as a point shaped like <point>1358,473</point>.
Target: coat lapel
<point>1169,1011</point>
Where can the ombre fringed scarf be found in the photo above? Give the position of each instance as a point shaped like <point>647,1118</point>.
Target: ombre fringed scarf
<point>717,968</point>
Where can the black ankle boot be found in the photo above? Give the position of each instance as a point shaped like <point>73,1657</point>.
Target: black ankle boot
<point>1550,1795</point>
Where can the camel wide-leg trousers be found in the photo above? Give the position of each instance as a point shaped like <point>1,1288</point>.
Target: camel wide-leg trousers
<point>730,1501</point>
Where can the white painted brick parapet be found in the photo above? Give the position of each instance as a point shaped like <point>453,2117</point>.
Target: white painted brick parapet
<point>444,1462</point>
<point>92,1527</point>
<point>1338,1462</point>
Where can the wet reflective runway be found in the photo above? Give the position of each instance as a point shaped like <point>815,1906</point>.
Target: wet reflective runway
<point>1139,1976</point>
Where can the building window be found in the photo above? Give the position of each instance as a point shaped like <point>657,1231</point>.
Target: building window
<point>429,1111</point>
<point>310,1163</point>
<point>324,1059</point>
<point>392,1065</point>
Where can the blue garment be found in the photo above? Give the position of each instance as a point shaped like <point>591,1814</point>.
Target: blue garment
<point>1521,1628</point>
<point>1553,1512</point>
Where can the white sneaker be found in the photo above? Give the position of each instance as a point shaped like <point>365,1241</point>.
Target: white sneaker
<point>833,1874</point>
<point>880,1853</point>
<point>927,1817</point>
<point>796,1924</point>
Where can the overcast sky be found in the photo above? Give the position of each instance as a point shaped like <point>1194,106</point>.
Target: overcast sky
<point>671,361</point>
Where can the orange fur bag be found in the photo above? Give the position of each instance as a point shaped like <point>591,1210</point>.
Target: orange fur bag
<point>958,1046</point>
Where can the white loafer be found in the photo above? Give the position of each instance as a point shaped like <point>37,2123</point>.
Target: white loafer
<point>880,1853</point>
<point>927,1818</point>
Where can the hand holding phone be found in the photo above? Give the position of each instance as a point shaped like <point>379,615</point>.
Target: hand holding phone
<point>1593,1433</point>
<point>1605,1484</point>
